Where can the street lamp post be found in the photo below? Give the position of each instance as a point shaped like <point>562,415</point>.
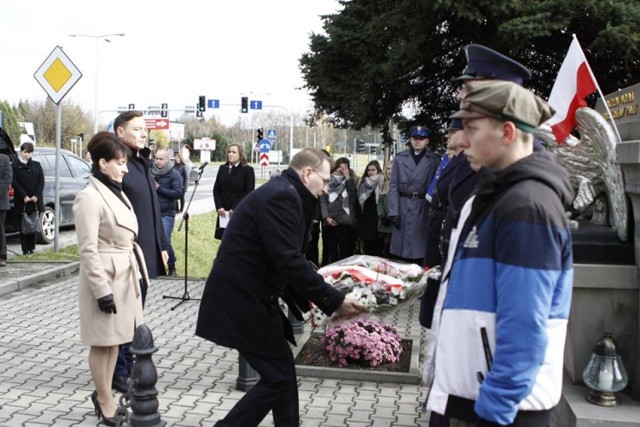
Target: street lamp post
<point>95,97</point>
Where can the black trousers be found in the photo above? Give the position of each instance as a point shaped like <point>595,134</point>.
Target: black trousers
<point>339,242</point>
<point>3,237</point>
<point>28,243</point>
<point>126,359</point>
<point>523,419</point>
<point>276,391</point>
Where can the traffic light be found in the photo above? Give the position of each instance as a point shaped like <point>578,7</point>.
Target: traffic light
<point>361,147</point>
<point>260,134</point>
<point>244,104</point>
<point>163,111</point>
<point>202,103</point>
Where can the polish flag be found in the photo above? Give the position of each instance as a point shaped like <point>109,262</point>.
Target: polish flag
<point>575,82</point>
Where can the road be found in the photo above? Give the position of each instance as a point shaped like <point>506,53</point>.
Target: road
<point>202,203</point>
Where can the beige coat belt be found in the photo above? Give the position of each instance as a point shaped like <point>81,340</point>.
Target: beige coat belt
<point>136,274</point>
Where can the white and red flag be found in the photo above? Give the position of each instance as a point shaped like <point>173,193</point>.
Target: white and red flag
<point>574,83</point>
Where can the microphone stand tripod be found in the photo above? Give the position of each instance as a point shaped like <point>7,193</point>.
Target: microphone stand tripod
<point>185,220</point>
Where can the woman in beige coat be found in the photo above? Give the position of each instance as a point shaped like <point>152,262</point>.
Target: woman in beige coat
<point>110,273</point>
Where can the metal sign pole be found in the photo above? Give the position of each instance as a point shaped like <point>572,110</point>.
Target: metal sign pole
<point>57,192</point>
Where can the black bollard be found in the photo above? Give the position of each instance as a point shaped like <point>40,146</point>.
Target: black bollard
<point>247,376</point>
<point>143,393</point>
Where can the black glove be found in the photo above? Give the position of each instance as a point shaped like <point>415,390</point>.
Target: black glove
<point>385,221</point>
<point>395,220</point>
<point>107,304</point>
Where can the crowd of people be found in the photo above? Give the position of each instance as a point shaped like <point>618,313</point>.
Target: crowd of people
<point>490,213</point>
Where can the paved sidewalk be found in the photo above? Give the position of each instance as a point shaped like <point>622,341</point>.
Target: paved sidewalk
<point>45,380</point>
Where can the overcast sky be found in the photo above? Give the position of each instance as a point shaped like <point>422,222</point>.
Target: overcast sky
<point>172,51</point>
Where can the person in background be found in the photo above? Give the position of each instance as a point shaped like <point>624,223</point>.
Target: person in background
<point>183,169</point>
<point>109,295</point>
<point>483,63</point>
<point>185,151</point>
<point>234,181</point>
<point>169,186</point>
<point>408,209</point>
<point>140,188</point>
<point>6,176</point>
<point>367,209</point>
<point>313,250</point>
<point>504,302</point>
<point>28,185</point>
<point>274,173</point>
<point>260,259</point>
<point>338,208</point>
<point>435,221</point>
<point>384,223</point>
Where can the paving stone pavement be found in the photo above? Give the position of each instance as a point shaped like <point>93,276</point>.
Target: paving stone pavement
<point>45,380</point>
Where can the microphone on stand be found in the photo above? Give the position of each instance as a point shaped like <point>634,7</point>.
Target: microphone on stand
<point>202,166</point>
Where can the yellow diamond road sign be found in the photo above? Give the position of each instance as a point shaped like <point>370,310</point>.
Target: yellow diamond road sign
<point>57,75</point>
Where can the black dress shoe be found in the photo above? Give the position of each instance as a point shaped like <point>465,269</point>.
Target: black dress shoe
<point>172,271</point>
<point>120,384</point>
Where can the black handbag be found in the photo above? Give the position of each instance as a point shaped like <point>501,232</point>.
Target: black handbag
<point>31,223</point>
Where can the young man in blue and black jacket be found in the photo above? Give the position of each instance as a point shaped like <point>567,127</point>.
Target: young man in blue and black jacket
<point>504,302</point>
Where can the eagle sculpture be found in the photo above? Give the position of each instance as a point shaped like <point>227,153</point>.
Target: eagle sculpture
<point>595,174</point>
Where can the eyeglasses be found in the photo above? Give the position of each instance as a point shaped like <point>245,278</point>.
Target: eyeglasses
<point>325,181</point>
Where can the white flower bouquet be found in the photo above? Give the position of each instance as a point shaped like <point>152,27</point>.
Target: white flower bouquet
<point>379,284</point>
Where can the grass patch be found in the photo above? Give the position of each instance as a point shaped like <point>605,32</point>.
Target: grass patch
<point>68,254</point>
<point>203,247</point>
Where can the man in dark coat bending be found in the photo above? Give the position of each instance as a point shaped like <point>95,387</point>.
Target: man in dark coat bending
<point>262,258</point>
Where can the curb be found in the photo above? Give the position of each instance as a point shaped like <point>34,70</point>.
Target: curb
<point>24,282</point>
<point>411,377</point>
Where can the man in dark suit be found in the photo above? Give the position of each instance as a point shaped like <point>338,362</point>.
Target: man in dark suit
<point>140,189</point>
<point>261,258</point>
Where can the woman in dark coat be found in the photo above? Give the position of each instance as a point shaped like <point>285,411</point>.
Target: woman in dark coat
<point>338,208</point>
<point>235,180</point>
<point>183,169</point>
<point>368,194</point>
<point>28,184</point>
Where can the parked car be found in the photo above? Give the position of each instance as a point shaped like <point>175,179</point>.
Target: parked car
<point>74,176</point>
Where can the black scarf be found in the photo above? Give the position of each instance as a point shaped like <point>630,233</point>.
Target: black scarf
<point>115,187</point>
<point>417,157</point>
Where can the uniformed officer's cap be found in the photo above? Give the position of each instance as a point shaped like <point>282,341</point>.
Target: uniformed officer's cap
<point>419,131</point>
<point>504,101</point>
<point>485,63</point>
<point>456,124</point>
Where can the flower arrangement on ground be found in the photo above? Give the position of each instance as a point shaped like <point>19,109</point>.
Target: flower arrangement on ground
<point>377,283</point>
<point>363,341</point>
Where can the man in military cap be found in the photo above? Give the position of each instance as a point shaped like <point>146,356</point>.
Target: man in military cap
<point>483,63</point>
<point>412,172</point>
<point>506,293</point>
